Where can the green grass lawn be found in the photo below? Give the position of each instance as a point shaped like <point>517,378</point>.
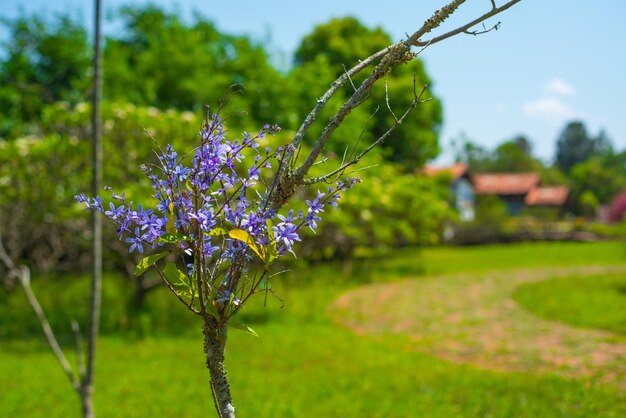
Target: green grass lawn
<point>303,364</point>
<point>592,302</point>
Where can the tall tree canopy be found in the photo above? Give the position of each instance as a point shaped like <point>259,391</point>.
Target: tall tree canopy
<point>514,155</point>
<point>575,145</point>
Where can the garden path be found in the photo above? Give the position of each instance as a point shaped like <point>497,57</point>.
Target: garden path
<point>472,318</point>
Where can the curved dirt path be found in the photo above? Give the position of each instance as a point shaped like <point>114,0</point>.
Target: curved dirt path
<point>472,318</point>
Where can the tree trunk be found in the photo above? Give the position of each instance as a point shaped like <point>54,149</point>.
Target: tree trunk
<point>86,400</point>
<point>214,345</point>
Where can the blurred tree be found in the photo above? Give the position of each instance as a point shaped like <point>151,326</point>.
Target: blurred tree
<point>159,60</point>
<point>589,203</point>
<point>602,175</point>
<point>469,152</point>
<point>341,43</point>
<point>155,59</point>
<point>304,82</point>
<point>45,61</point>
<point>514,155</point>
<point>574,145</point>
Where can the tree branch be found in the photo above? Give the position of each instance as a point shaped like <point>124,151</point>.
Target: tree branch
<point>485,30</point>
<point>22,273</point>
<point>398,53</point>
<point>171,287</point>
<point>374,144</point>
<point>494,11</point>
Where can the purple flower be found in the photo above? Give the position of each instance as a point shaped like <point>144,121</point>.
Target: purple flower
<point>204,217</point>
<point>224,297</point>
<point>168,158</point>
<point>286,220</point>
<point>253,172</point>
<point>316,206</point>
<point>114,213</point>
<point>311,220</point>
<point>135,241</point>
<point>209,248</point>
<point>253,223</point>
<point>181,172</point>
<point>81,198</point>
<point>155,226</point>
<point>285,235</point>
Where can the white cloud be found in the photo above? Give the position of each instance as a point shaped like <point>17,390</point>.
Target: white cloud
<point>560,87</point>
<point>550,109</point>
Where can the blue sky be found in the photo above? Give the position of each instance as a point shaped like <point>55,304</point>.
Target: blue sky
<point>550,62</point>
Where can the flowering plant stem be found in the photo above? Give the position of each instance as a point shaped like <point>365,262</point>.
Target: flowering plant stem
<point>214,345</point>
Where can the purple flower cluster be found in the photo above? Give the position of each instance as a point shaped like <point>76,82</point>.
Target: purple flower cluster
<point>202,197</point>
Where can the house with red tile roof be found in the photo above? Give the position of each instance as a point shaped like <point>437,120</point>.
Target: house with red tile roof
<point>512,188</point>
<point>517,190</point>
<point>549,196</point>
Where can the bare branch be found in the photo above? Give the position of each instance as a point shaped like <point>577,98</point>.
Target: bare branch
<point>398,53</point>
<point>356,143</point>
<point>374,144</point>
<point>388,105</point>
<point>171,287</point>
<point>22,273</point>
<point>345,70</point>
<point>494,11</point>
<point>336,85</point>
<point>80,351</point>
<point>484,30</point>
<point>433,22</point>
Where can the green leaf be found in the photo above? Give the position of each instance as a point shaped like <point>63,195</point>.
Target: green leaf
<point>241,235</point>
<point>147,262</point>
<point>175,276</point>
<point>172,238</point>
<point>217,232</point>
<point>241,326</point>
<point>272,253</point>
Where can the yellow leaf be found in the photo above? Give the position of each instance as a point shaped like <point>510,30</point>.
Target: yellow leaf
<point>170,227</point>
<point>241,235</point>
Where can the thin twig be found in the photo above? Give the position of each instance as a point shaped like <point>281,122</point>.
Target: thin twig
<point>378,141</point>
<point>215,402</point>
<point>171,287</point>
<point>22,273</point>
<point>80,351</point>
<point>387,101</point>
<point>485,30</point>
<point>345,70</point>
